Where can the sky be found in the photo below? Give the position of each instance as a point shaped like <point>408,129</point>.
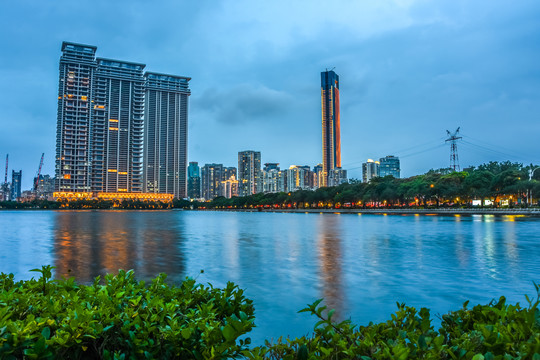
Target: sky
<point>409,71</point>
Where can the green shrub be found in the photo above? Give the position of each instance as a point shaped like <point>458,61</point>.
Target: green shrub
<point>126,319</point>
<point>491,332</point>
<point>122,318</point>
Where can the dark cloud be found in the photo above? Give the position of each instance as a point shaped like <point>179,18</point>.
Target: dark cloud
<point>244,103</point>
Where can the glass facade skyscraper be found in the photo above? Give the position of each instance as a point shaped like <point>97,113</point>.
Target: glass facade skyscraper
<point>389,165</point>
<point>331,137</point>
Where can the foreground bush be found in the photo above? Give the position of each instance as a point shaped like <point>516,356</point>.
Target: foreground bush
<point>491,332</point>
<point>122,318</point>
<point>126,319</point>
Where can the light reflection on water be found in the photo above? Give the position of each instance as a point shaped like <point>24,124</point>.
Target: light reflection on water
<point>360,265</point>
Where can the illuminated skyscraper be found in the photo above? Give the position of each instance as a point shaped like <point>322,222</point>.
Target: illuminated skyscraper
<point>389,165</point>
<point>112,119</point>
<point>16,179</point>
<point>331,140</point>
<point>194,180</point>
<point>165,134</point>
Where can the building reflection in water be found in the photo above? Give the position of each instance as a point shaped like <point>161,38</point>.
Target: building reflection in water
<point>88,244</point>
<point>330,260</point>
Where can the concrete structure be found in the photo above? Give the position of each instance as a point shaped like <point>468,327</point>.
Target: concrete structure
<point>331,132</point>
<point>389,165</point>
<point>229,188</point>
<point>249,172</point>
<point>45,187</point>
<point>370,169</point>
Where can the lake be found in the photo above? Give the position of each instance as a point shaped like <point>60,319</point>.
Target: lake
<point>360,264</point>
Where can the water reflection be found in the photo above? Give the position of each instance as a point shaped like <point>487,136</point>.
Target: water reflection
<point>87,244</point>
<point>330,260</point>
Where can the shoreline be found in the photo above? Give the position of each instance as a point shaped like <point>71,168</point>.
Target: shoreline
<point>526,212</point>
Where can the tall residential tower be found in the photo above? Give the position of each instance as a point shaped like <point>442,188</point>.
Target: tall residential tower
<point>165,134</point>
<point>331,140</point>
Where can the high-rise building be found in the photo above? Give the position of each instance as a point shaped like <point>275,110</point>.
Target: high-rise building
<point>389,165</point>
<point>165,134</point>
<point>212,176</point>
<point>45,186</point>
<point>229,172</point>
<point>299,178</point>
<point>331,140</point>
<point>270,175</point>
<point>116,129</point>
<point>317,176</point>
<point>370,169</point>
<point>249,172</point>
<point>337,177</point>
<point>112,119</point>
<point>229,188</point>
<point>16,178</point>
<point>74,121</point>
<point>194,180</point>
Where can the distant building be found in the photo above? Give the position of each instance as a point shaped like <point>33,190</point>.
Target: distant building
<point>317,176</point>
<point>331,133</point>
<point>249,172</point>
<point>229,188</point>
<point>389,165</point>
<point>211,178</point>
<point>194,180</point>
<point>271,174</point>
<point>337,177</point>
<point>45,187</point>
<point>370,169</point>
<point>299,178</point>
<point>229,172</point>
<point>16,178</point>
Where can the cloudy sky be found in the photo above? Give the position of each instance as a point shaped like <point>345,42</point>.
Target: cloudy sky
<point>409,71</point>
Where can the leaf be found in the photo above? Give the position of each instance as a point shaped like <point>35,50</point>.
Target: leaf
<point>46,333</point>
<point>302,353</point>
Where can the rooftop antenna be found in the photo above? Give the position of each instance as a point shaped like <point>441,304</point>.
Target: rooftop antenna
<point>453,138</point>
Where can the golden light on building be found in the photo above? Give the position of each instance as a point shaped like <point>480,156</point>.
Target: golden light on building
<point>73,196</point>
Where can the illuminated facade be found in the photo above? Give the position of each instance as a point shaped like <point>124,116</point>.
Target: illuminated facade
<point>73,152</point>
<point>249,172</point>
<point>337,177</point>
<point>165,134</point>
<point>116,135</point>
<point>119,130</point>
<point>331,140</point>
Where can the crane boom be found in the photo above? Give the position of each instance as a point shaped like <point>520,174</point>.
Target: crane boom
<point>39,172</point>
<point>5,178</point>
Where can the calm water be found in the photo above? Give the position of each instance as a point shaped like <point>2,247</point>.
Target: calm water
<point>360,264</point>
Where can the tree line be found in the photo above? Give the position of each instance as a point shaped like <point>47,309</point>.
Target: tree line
<point>503,183</point>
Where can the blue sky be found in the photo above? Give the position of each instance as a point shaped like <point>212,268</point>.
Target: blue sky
<point>409,70</point>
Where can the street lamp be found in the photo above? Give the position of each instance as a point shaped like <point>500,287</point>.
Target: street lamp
<point>531,172</point>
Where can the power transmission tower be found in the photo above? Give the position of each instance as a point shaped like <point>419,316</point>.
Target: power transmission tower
<point>453,138</point>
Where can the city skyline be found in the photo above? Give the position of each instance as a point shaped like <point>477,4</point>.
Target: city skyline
<point>410,70</point>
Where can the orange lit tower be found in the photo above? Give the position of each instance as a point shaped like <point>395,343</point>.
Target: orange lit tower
<point>331,141</point>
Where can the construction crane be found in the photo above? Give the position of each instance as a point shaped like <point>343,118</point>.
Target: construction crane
<point>38,173</point>
<point>5,185</point>
<point>453,138</point>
